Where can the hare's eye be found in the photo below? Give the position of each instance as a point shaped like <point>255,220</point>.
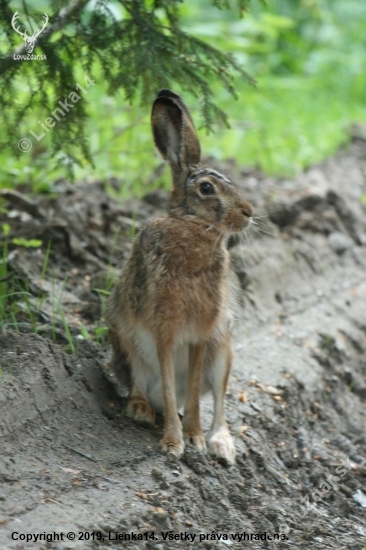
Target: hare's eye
<point>207,188</point>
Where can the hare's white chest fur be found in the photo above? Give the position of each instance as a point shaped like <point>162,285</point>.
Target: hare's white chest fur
<point>147,372</point>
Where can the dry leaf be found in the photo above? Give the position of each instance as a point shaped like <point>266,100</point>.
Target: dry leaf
<point>242,397</point>
<point>270,389</point>
<point>141,495</point>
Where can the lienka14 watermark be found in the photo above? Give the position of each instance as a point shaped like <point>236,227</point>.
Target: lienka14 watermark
<point>25,144</point>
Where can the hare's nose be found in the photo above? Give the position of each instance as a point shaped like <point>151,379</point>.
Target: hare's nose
<point>247,210</point>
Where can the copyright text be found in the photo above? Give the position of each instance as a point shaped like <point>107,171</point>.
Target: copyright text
<point>148,535</point>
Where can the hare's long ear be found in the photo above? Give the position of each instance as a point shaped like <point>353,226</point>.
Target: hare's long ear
<point>174,134</point>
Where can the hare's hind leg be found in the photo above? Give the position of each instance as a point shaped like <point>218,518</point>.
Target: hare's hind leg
<point>192,430</point>
<point>119,366</point>
<point>220,442</point>
<point>138,408</point>
<point>123,363</point>
<point>172,441</point>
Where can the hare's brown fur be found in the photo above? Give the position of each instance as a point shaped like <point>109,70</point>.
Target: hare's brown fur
<point>169,313</point>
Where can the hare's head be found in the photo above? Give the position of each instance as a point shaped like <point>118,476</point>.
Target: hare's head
<point>197,190</point>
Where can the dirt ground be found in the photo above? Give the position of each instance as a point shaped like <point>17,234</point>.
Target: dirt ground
<point>71,462</point>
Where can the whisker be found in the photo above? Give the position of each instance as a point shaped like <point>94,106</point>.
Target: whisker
<point>260,230</point>
<point>258,222</point>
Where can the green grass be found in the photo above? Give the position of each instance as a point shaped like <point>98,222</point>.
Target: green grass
<point>282,126</point>
<point>19,307</point>
<point>287,124</point>
<point>70,341</point>
<point>16,300</point>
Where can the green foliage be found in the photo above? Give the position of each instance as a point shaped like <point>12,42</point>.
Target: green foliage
<point>16,300</point>
<point>6,229</point>
<point>27,243</point>
<point>135,47</point>
<point>84,334</point>
<point>308,57</point>
<point>101,335</point>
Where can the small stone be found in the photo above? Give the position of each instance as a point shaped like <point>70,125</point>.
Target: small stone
<point>339,242</point>
<point>356,458</point>
<point>360,497</point>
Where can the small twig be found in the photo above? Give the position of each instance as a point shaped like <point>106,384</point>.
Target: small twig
<point>21,202</point>
<point>27,15</point>
<point>80,453</point>
<point>90,435</point>
<point>4,279</point>
<point>107,479</point>
<point>45,500</point>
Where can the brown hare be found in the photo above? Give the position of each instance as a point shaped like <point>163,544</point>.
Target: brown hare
<point>169,312</point>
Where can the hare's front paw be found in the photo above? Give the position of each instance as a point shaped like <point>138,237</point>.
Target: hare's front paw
<point>140,412</point>
<point>172,445</point>
<point>195,439</point>
<point>221,446</point>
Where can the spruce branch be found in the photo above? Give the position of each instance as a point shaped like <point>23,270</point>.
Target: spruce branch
<point>138,54</point>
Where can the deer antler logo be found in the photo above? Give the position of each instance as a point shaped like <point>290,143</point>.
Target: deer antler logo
<point>30,41</point>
